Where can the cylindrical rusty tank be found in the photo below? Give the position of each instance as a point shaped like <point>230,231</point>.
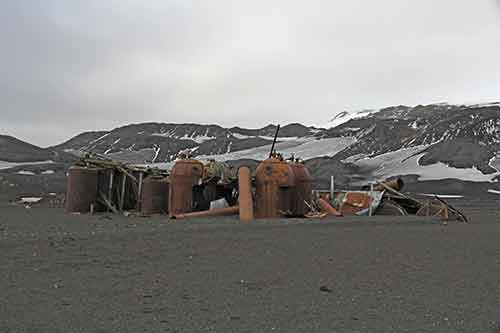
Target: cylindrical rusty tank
<point>81,189</point>
<point>184,175</point>
<point>245,197</point>
<point>274,185</point>
<point>302,192</point>
<point>154,196</point>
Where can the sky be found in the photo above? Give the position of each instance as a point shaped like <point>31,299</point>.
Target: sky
<point>68,66</point>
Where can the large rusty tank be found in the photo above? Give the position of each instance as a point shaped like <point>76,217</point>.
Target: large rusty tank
<point>275,183</point>
<point>154,196</point>
<point>185,174</point>
<point>82,189</point>
<point>302,192</point>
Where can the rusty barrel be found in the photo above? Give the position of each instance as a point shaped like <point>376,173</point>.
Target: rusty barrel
<point>302,192</point>
<point>81,189</point>
<point>154,196</point>
<point>274,185</point>
<point>185,174</point>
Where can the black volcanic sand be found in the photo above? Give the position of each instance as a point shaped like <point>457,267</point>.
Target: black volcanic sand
<point>104,273</point>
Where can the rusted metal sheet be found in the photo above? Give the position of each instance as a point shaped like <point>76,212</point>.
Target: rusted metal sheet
<point>82,189</point>
<point>245,197</point>
<point>154,196</point>
<point>396,184</point>
<point>209,213</point>
<point>185,174</point>
<point>355,202</point>
<point>274,182</point>
<point>302,192</point>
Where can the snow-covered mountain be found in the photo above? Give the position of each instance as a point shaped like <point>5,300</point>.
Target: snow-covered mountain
<point>156,142</point>
<point>428,142</point>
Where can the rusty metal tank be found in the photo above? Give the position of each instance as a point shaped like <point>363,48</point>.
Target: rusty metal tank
<point>82,189</point>
<point>185,174</point>
<point>154,196</point>
<point>275,182</point>
<point>302,192</point>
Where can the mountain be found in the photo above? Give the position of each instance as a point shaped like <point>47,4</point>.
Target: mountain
<point>424,143</point>
<point>157,142</point>
<point>13,150</point>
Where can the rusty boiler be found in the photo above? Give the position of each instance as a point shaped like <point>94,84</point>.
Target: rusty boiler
<point>82,189</point>
<point>185,174</point>
<point>154,196</point>
<point>302,193</point>
<point>275,183</point>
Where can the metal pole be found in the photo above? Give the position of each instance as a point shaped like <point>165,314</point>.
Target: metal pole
<point>274,141</point>
<point>332,187</point>
<point>370,209</point>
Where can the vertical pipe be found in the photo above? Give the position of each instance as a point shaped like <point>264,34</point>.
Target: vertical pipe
<point>370,206</point>
<point>245,199</point>
<point>332,188</point>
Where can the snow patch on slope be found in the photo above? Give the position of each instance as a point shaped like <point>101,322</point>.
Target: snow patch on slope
<point>305,150</point>
<point>406,162</point>
<point>9,165</point>
<point>345,116</point>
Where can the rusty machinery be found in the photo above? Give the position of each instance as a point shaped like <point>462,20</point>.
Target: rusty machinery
<point>185,174</point>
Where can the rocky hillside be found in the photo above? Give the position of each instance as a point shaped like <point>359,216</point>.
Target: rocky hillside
<point>425,143</point>
<point>156,142</point>
<point>13,150</point>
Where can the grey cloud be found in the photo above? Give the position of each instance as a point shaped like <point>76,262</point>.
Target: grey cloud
<point>69,66</point>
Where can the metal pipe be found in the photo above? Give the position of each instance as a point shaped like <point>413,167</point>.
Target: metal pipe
<point>332,187</point>
<point>327,208</point>
<point>274,141</point>
<point>245,190</point>
<point>370,209</point>
<point>210,213</point>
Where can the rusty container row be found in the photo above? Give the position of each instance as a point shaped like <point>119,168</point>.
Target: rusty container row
<point>154,196</point>
<point>275,181</point>
<point>184,176</point>
<point>82,189</point>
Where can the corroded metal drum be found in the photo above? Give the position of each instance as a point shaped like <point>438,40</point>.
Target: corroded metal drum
<point>185,174</point>
<point>302,192</point>
<point>275,182</point>
<point>82,189</point>
<point>154,196</point>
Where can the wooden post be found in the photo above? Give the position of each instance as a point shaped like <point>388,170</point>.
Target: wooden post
<point>139,192</point>
<point>122,194</point>
<point>110,189</point>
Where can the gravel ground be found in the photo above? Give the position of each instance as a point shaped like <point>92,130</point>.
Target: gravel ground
<point>63,273</point>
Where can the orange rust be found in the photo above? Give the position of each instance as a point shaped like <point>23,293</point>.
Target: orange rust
<point>274,181</point>
<point>245,199</point>
<point>82,189</point>
<point>396,184</point>
<point>327,208</point>
<point>185,174</point>
<point>209,213</point>
<point>302,192</point>
<point>355,202</point>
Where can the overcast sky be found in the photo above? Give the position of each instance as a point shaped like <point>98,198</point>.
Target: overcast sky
<point>68,66</point>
